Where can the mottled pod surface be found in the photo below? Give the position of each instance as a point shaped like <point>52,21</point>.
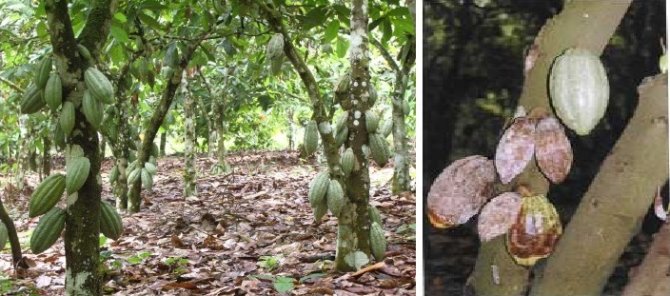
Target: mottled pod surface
<point>515,148</point>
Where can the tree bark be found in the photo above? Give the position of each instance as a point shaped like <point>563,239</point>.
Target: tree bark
<point>612,210</point>
<point>652,277</point>
<point>83,216</point>
<point>584,24</point>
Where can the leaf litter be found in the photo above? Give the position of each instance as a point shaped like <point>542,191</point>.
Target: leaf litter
<point>248,232</point>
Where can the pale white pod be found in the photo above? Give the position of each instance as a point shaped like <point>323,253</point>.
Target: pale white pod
<point>498,215</point>
<point>579,89</point>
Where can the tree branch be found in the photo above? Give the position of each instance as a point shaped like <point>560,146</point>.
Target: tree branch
<point>387,56</point>
<point>11,84</point>
<point>652,277</point>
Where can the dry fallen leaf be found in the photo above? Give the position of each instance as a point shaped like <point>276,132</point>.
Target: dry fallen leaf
<point>460,190</point>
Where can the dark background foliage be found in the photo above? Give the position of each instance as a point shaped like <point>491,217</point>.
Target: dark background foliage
<point>473,75</point>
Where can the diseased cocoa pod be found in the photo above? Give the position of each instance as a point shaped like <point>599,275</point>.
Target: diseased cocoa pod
<point>92,109</point>
<point>111,224</point>
<point>318,188</point>
<point>311,138</point>
<point>460,190</point>
<point>498,215</point>
<point>42,72</point>
<point>53,92</point>
<point>371,121</point>
<point>377,241</point>
<point>375,215</point>
<point>535,231</point>
<point>77,172</point>
<point>515,148</point>
<point>552,150</point>
<point>48,230</point>
<point>46,195</point>
<point>99,86</point>
<point>335,197</point>
<point>579,89</point>
<point>378,149</point>
<point>66,118</point>
<point>32,100</point>
<point>348,161</point>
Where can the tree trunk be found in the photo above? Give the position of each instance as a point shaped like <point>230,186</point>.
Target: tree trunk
<point>174,79</point>
<point>596,20</point>
<point>190,140</point>
<point>83,216</point>
<point>163,143</point>
<point>46,156</point>
<point>17,256</point>
<point>652,277</point>
<point>291,144</point>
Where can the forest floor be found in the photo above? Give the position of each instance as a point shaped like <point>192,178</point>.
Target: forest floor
<point>250,232</point>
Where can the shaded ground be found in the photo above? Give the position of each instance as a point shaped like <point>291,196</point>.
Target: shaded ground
<point>250,232</point>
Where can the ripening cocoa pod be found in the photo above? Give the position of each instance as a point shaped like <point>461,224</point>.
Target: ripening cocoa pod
<point>460,191</point>
<point>377,241</point>
<point>275,47</point>
<point>335,197</point>
<point>498,215</point>
<point>348,161</point>
<point>53,92</point>
<point>311,138</point>
<point>318,188</point>
<point>42,72</point>
<point>552,150</point>
<point>579,89</point>
<point>371,121</point>
<point>66,118</point>
<point>535,231</point>
<point>515,148</point>
<point>78,168</point>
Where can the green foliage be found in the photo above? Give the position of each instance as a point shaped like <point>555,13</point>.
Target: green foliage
<point>138,258</point>
<point>269,263</point>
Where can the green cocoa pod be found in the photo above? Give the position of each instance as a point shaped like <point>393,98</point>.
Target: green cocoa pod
<point>42,72</point>
<point>66,118</point>
<point>53,92</point>
<point>318,188</point>
<point>386,128</point>
<point>579,89</point>
<point>32,100</point>
<point>377,241</point>
<point>374,214</point>
<point>147,180</point>
<point>373,96</point>
<point>344,84</point>
<point>151,168</point>
<point>311,138</point>
<point>335,197</point>
<point>114,174</point>
<point>134,175</point>
<point>99,86</point>
<point>320,210</point>
<point>46,195</point>
<point>92,110</point>
<point>4,235</point>
<point>341,136</point>
<point>371,121</point>
<point>341,121</point>
<point>83,51</point>
<point>48,230</point>
<point>405,108</point>
<point>59,136</point>
<point>77,172</point>
<point>275,48</point>
<point>111,224</point>
<point>348,161</point>
<point>378,149</point>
